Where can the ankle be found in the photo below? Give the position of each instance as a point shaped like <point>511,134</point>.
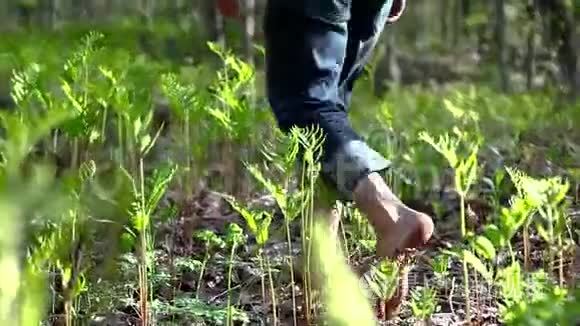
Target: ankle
<point>376,201</point>
<point>373,188</point>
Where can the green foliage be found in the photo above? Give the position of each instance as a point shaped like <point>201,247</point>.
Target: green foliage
<point>534,299</point>
<point>472,260</point>
<point>483,247</point>
<point>183,98</point>
<point>233,90</point>
<point>511,284</point>
<point>464,164</point>
<point>510,221</point>
<point>340,287</point>
<point>424,302</point>
<point>258,222</point>
<point>553,307</point>
<point>212,242</point>
<point>538,192</point>
<point>146,200</point>
<point>28,191</point>
<point>193,310</point>
<point>234,235</point>
<point>190,265</point>
<point>440,266</point>
<point>210,239</point>
<point>383,279</point>
<point>96,104</point>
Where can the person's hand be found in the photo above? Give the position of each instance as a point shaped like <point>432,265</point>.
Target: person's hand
<point>397,10</point>
<point>229,8</point>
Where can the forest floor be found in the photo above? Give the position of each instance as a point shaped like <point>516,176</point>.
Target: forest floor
<point>210,211</point>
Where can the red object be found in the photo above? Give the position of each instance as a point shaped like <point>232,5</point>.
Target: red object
<point>229,8</point>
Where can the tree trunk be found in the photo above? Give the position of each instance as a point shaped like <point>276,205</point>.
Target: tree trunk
<point>465,13</point>
<point>215,22</point>
<point>500,28</point>
<point>56,12</point>
<point>391,56</point>
<point>567,54</point>
<point>456,11</point>
<point>559,21</point>
<point>249,29</point>
<point>443,21</point>
<point>531,45</point>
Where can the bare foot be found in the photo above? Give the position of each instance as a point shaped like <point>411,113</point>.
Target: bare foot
<point>397,226</point>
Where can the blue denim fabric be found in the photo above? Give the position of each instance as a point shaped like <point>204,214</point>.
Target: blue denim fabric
<point>315,51</point>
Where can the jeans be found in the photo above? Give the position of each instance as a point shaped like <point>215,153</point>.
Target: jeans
<point>315,51</point>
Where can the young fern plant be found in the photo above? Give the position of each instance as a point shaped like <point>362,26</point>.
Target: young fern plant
<point>23,286</point>
<point>440,266</point>
<point>258,222</point>
<point>531,195</point>
<point>495,189</point>
<point>234,238</point>
<point>300,148</point>
<point>547,198</point>
<point>34,104</point>
<point>282,157</point>
<point>145,204</point>
<point>554,226</point>
<point>511,285</point>
<point>133,115</point>
<point>509,222</point>
<point>424,304</point>
<point>461,155</point>
<point>232,109</point>
<point>77,84</point>
<point>363,237</point>
<point>464,165</point>
<point>533,298</point>
<point>211,242</point>
<point>311,141</point>
<point>383,281</point>
<point>136,120</point>
<point>184,102</point>
<point>68,237</point>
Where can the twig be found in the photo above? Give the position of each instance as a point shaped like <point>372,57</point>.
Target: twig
<point>211,300</point>
<point>451,296</point>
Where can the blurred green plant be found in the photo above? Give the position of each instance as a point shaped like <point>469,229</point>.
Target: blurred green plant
<point>148,192</point>
<point>461,151</point>
<point>440,266</point>
<point>211,242</point>
<point>424,303</point>
<point>311,141</point>
<point>28,191</point>
<point>234,238</point>
<point>383,281</point>
<point>258,222</point>
<point>341,289</point>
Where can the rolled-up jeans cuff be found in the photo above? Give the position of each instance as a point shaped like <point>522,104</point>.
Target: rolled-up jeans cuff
<point>349,163</point>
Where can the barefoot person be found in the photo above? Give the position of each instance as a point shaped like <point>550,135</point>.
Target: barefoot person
<point>315,51</point>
